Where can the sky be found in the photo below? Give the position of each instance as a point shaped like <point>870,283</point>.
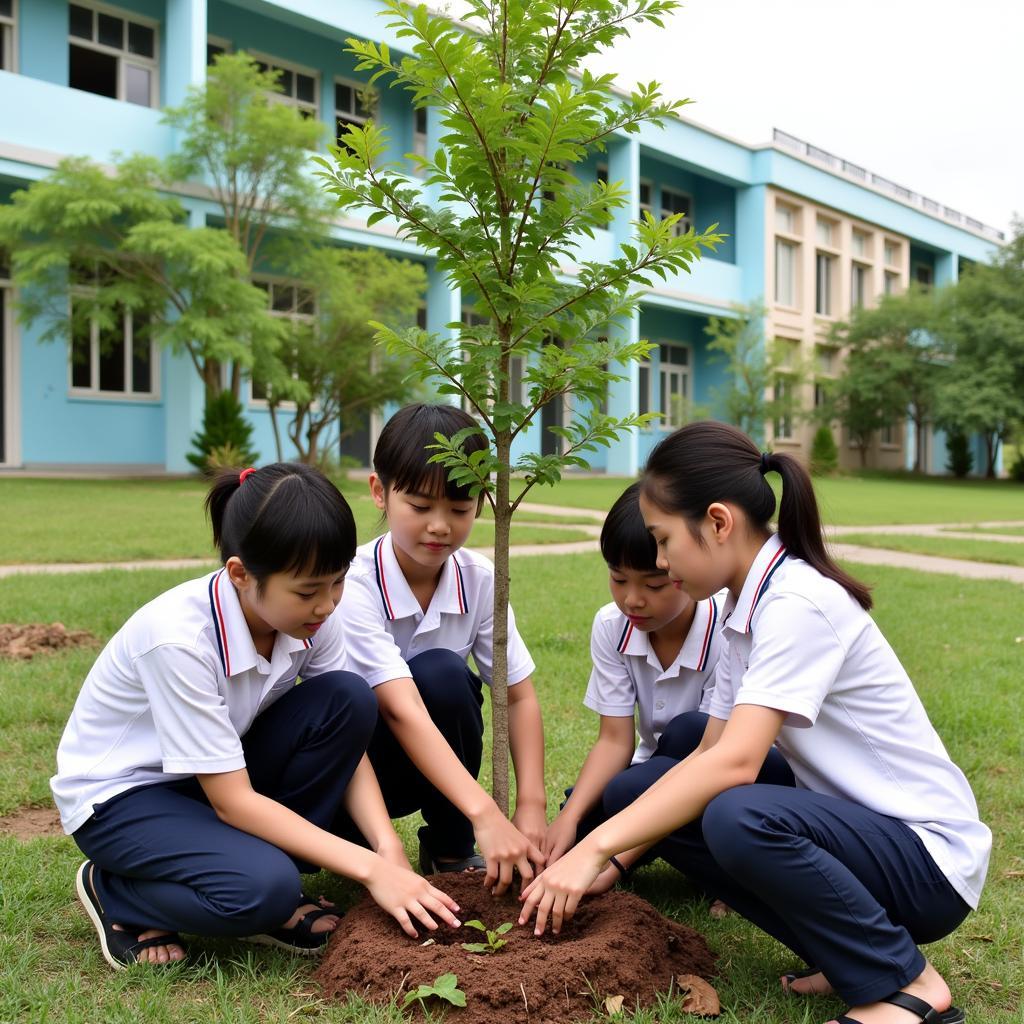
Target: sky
<point>926,93</point>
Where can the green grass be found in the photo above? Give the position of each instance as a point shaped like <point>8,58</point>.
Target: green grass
<point>944,547</point>
<point>129,520</point>
<point>1003,531</point>
<point>956,637</point>
<point>846,500</point>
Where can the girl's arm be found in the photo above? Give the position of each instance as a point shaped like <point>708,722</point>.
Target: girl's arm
<point>609,755</point>
<point>365,805</point>
<point>501,844</point>
<point>397,890</point>
<point>526,740</point>
<point>679,797</point>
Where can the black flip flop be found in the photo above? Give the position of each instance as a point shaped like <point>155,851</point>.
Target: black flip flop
<point>120,949</point>
<point>300,939</point>
<point>429,865</point>
<point>926,1013</point>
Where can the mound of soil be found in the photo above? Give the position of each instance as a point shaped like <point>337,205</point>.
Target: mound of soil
<point>617,945</point>
<point>26,641</point>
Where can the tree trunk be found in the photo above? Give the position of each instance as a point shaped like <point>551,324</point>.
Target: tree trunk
<point>991,450</point>
<point>499,681</point>
<point>863,449</point>
<point>211,379</point>
<point>236,380</point>
<point>272,409</point>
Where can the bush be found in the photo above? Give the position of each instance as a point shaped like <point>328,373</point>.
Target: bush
<point>961,458</point>
<point>824,453</point>
<point>225,432</point>
<point>1017,469</point>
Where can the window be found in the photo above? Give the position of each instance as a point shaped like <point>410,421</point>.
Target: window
<point>112,55</point>
<point>892,283</point>
<point>785,219</point>
<point>7,35</point>
<point>673,202</point>
<point>643,404</point>
<point>824,280</point>
<point>355,104</point>
<point>827,232</point>
<point>674,374</point>
<point>820,393</point>
<point>785,272</point>
<point>297,87</point>
<point>861,244</point>
<point>645,197</point>
<point>889,435</point>
<point>923,275</point>
<point>892,254</point>
<point>419,134</point>
<point>286,300</point>
<point>859,278</point>
<point>783,425</point>
<point>826,359</point>
<point>215,46</point>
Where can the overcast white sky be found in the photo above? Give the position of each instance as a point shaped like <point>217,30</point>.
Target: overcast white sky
<point>927,93</point>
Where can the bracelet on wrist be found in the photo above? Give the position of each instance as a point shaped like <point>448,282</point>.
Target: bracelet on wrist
<point>623,872</point>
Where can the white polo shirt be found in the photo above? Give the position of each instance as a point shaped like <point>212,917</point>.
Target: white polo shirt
<point>385,625</point>
<point>627,674</point>
<point>173,692</point>
<point>798,642</point>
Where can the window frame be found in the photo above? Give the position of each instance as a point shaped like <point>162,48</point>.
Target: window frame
<point>272,63</point>
<point>668,369</point>
<point>123,56</point>
<point>686,221</point>
<point>352,117</point>
<point>224,44</point>
<point>792,300</point>
<point>782,426</point>
<point>889,437</point>
<point>9,40</point>
<point>641,205</point>
<point>859,272</point>
<point>292,316</point>
<point>826,308</point>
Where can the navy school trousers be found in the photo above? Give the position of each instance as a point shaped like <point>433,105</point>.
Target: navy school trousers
<point>453,696</point>
<point>165,860</point>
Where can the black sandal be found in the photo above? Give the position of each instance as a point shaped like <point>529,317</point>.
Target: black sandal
<point>300,938</point>
<point>120,949</point>
<point>790,976</point>
<point>429,865</point>
<point>926,1013</point>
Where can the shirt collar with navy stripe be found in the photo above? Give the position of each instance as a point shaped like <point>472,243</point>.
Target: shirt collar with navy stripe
<point>396,597</point>
<point>235,646</point>
<point>696,648</point>
<point>756,585</point>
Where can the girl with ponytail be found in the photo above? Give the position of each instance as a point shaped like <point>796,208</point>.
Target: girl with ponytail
<point>879,846</point>
<point>195,774</point>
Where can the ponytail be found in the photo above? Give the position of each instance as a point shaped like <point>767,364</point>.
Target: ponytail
<point>705,462</point>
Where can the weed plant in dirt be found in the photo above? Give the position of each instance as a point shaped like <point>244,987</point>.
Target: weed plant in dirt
<point>617,945</point>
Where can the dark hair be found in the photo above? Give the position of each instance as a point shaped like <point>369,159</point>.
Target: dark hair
<point>625,540</point>
<point>285,517</point>
<point>705,462</point>
<point>401,456</point>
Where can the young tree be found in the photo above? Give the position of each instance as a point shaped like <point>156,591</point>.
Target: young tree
<point>500,210</point>
<point>754,367</point>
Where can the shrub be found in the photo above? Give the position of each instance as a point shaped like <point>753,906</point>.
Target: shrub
<point>961,458</point>
<point>1017,469</point>
<point>226,435</point>
<point>824,453</point>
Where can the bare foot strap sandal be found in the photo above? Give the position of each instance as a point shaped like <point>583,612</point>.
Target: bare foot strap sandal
<point>790,976</point>
<point>926,1013</point>
<point>430,865</point>
<point>120,949</point>
<point>300,938</point>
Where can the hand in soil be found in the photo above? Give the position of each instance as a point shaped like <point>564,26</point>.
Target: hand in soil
<point>504,848</point>
<point>559,838</point>
<point>406,895</point>
<point>557,890</point>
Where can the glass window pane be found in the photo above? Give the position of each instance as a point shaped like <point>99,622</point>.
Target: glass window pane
<point>137,85</point>
<point>111,31</point>
<point>286,82</point>
<point>421,120</point>
<point>92,71</point>
<point>213,51</point>
<point>141,40</point>
<point>305,302</point>
<point>142,355</point>
<point>342,97</point>
<point>81,356</point>
<point>112,358</point>
<point>305,88</point>
<point>6,8</point>
<point>644,402</point>
<point>283,298</point>
<point>80,21</point>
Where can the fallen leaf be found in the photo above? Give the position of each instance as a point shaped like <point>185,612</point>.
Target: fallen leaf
<point>613,1004</point>
<point>701,999</point>
<point>429,942</point>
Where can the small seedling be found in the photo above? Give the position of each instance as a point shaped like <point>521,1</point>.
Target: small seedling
<point>444,987</point>
<point>494,940</point>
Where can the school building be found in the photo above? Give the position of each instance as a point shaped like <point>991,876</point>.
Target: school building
<point>809,234</point>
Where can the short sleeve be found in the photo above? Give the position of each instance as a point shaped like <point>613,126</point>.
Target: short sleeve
<point>371,650</point>
<point>610,690</point>
<point>520,664</point>
<point>328,653</point>
<point>795,658</point>
<point>190,714</point>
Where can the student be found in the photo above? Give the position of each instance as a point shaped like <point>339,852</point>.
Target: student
<point>879,847</point>
<point>416,606</point>
<point>653,650</point>
<point>199,779</point>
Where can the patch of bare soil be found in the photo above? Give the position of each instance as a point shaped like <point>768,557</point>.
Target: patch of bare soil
<point>617,945</point>
<point>31,823</point>
<point>26,641</point>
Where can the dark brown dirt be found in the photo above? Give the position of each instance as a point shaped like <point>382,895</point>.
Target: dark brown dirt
<point>26,641</point>
<point>617,945</point>
<point>31,823</point>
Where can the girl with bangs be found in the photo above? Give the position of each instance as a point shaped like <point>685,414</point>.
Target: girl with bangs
<point>417,605</point>
<point>199,779</point>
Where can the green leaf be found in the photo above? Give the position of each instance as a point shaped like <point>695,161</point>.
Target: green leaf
<point>506,927</point>
<point>478,925</point>
<point>475,947</point>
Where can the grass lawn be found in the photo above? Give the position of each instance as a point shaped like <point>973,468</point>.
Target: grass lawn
<point>957,638</point>
<point>123,520</point>
<point>846,500</point>
<point>945,547</point>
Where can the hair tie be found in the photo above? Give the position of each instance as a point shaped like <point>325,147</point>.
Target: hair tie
<point>244,475</point>
<point>765,459</point>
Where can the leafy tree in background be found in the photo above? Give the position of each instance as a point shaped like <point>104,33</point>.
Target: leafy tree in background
<point>824,453</point>
<point>501,210</point>
<point>751,396</point>
<point>960,460</point>
<point>225,430</point>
